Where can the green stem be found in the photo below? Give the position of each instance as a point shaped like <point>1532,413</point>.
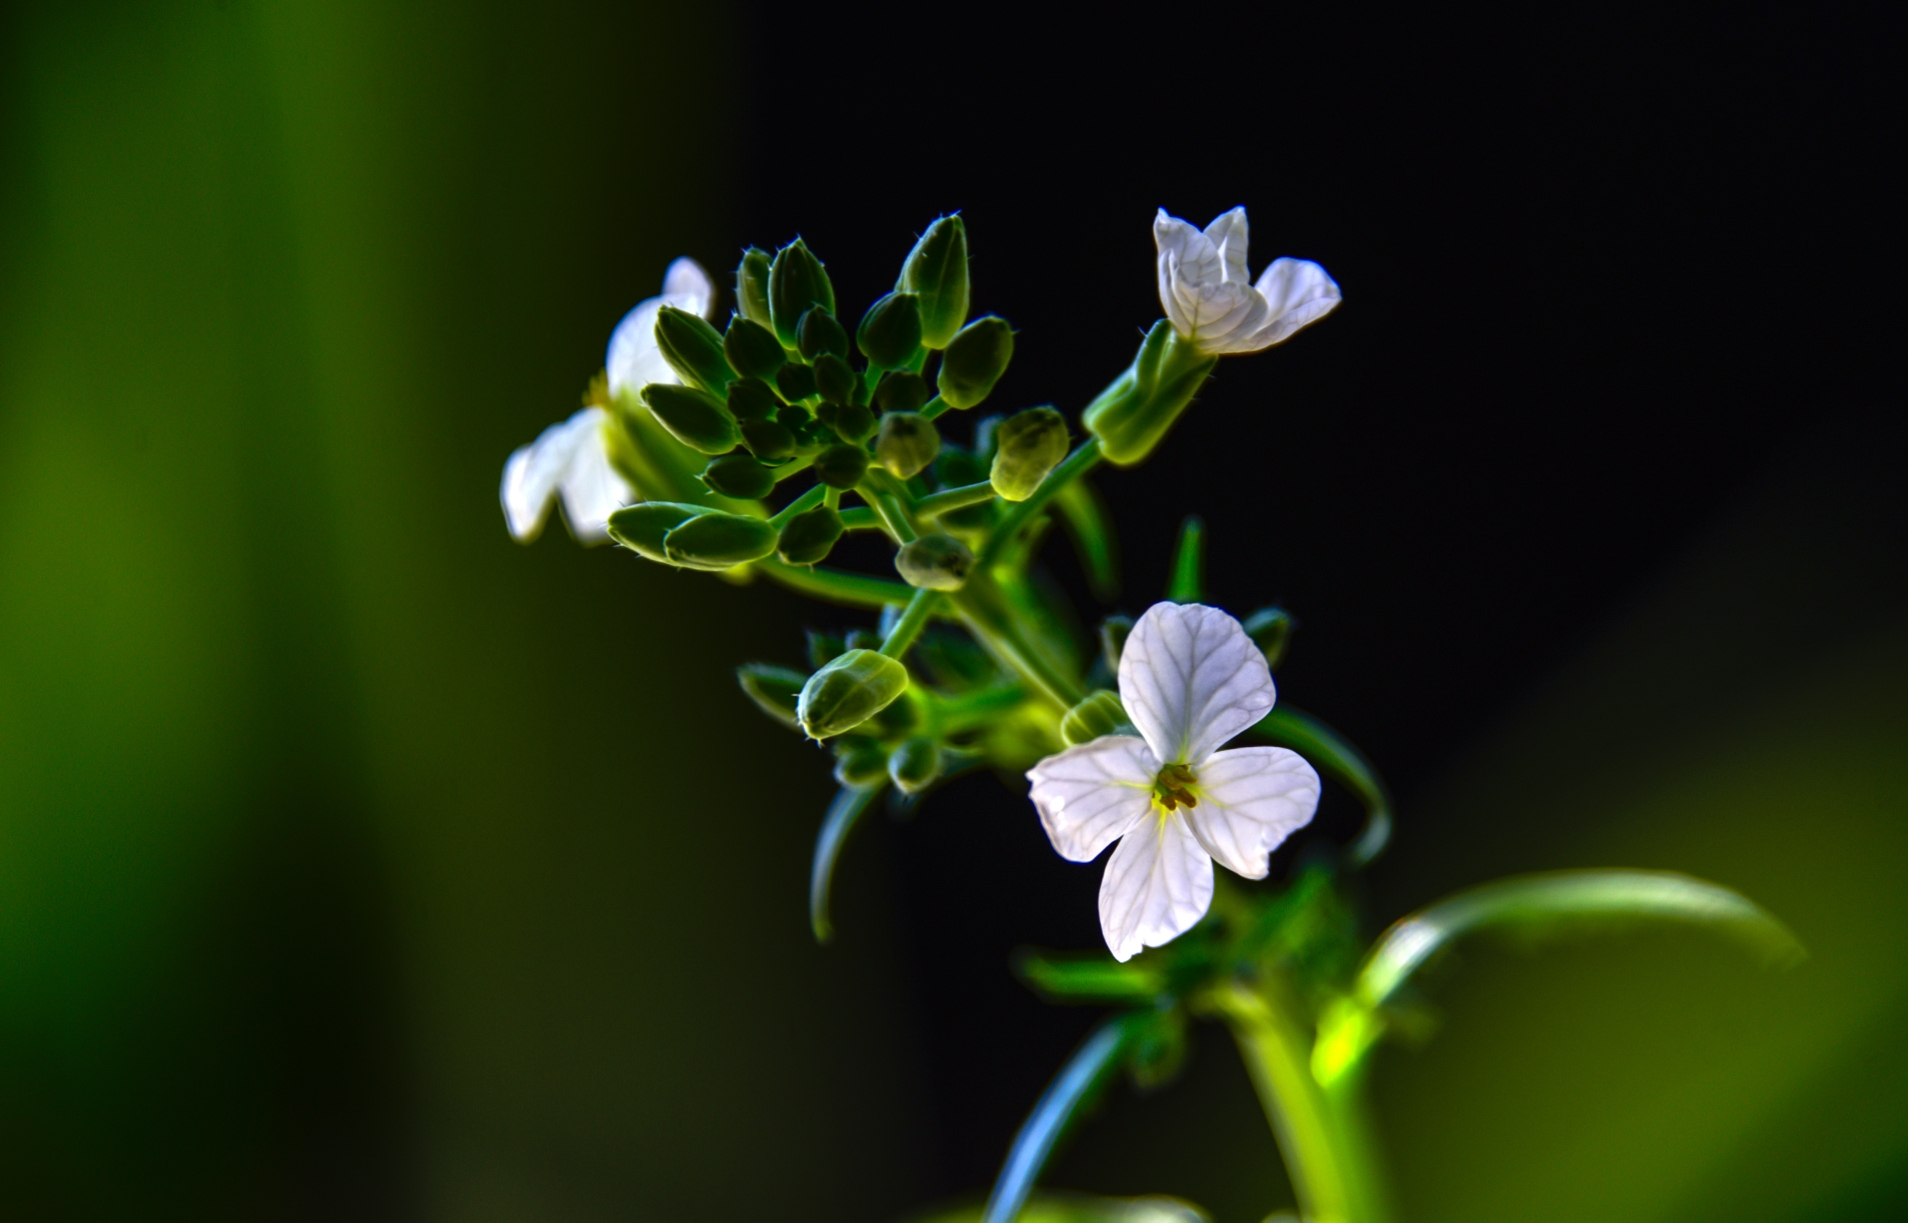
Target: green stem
<point>834,586</point>
<point>807,501</point>
<point>794,466</point>
<point>861,518</point>
<point>940,503</point>
<point>984,612</point>
<point>934,407</point>
<point>912,621</point>
<point>890,500</point>
<point>1084,458</point>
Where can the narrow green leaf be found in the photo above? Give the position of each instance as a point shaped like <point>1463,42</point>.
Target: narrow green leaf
<point>1333,755</point>
<point>1090,1067</point>
<point>1089,978</point>
<point>1188,581</point>
<point>1561,898</point>
<point>1083,514</point>
<point>843,814</point>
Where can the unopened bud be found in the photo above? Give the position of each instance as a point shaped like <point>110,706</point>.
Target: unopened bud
<point>890,333</point>
<point>752,349</point>
<point>914,765</point>
<point>773,689</point>
<point>854,423</point>
<point>692,348</point>
<point>848,691</point>
<point>841,465</point>
<point>936,272</point>
<point>1028,445</point>
<point>834,379</point>
<point>716,540</point>
<point>810,536</point>
<point>902,391</point>
<point>797,284</point>
<point>934,562</point>
<point>768,440</point>
<point>1099,714</point>
<point>908,443</point>
<point>1271,630</point>
<point>1131,416</point>
<point>739,476</point>
<point>974,361</point>
<point>859,762</point>
<point>753,399</point>
<point>795,381</point>
<point>642,527</point>
<point>752,287</point>
<point>693,417</point>
<point>819,332</point>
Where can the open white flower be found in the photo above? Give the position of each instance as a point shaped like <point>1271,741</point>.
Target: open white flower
<point>1190,679</point>
<point>571,459</point>
<point>1204,289</point>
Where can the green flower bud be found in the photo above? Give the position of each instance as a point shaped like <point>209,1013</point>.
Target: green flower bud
<point>768,440</point>
<point>908,443</point>
<point>739,476</point>
<point>915,764</point>
<point>1271,630</point>
<point>934,562</point>
<point>1099,714</point>
<point>752,287</point>
<point>848,691</point>
<point>1134,413</point>
<point>810,536</point>
<point>859,762</point>
<point>811,435</point>
<point>854,423</point>
<point>1114,630</point>
<point>642,527</point>
<point>841,465</point>
<point>1028,445</point>
<point>890,333</point>
<point>936,272</point>
<point>716,540</point>
<point>693,349</point>
<point>752,349</point>
<point>795,381</point>
<point>773,689</point>
<point>974,361</point>
<point>834,379</point>
<point>797,284</point>
<point>753,399</point>
<point>902,391</point>
<point>819,332</point>
<point>693,417</point>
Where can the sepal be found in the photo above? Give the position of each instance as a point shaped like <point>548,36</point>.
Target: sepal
<point>1028,445</point>
<point>934,562</point>
<point>908,443</point>
<point>1131,416</point>
<point>848,691</point>
<point>693,417</point>
<point>752,349</point>
<point>936,272</point>
<point>693,349</point>
<point>773,689</point>
<point>974,361</point>
<point>797,284</point>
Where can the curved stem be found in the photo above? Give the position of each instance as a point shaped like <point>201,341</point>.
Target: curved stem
<point>912,621</point>
<point>1091,1065</point>
<point>834,586</point>
<point>935,504</point>
<point>1084,458</point>
<point>807,501</point>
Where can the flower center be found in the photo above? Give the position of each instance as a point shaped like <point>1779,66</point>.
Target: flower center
<point>1173,787</point>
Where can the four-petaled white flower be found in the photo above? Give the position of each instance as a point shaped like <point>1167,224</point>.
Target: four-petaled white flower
<point>1204,289</point>
<point>1190,679</point>
<point>571,459</point>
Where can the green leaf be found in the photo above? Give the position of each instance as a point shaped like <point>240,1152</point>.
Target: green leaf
<point>1333,755</point>
<point>1088,526</point>
<point>1078,1081</point>
<point>1088,978</point>
<point>843,814</point>
<point>1188,581</point>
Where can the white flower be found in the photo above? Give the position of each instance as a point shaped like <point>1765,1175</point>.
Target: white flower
<point>1205,292</point>
<point>1190,679</point>
<point>571,459</point>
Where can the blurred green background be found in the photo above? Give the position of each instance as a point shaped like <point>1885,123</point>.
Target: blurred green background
<point>356,862</point>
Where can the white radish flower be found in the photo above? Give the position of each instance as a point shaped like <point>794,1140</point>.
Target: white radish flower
<point>1190,679</point>
<point>1204,289</point>
<point>571,459</point>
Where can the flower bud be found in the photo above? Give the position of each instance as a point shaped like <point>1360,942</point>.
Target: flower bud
<point>848,691</point>
<point>834,379</point>
<point>752,287</point>
<point>859,762</point>
<point>739,476</point>
<point>841,465</point>
<point>693,417</point>
<point>934,562</point>
<point>811,435</point>
<point>1134,413</point>
<point>752,349</point>
<point>642,527</point>
<point>716,540</point>
<point>915,764</point>
<point>819,332</point>
<point>902,391</point>
<point>1099,714</point>
<point>773,689</point>
<point>936,272</point>
<point>908,443</point>
<point>1028,445</point>
<point>810,536</point>
<point>855,423</point>
<point>974,361</point>
<point>1271,630</point>
<point>753,399</point>
<point>692,348</point>
<point>797,284</point>
<point>890,333</point>
<point>795,381</point>
<point>768,440</point>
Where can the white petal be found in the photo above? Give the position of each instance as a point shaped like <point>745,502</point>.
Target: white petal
<point>1191,679</point>
<point>1227,233</point>
<point>534,473</point>
<point>686,279</point>
<point>1250,800</point>
<point>1090,794</point>
<point>592,488</point>
<point>1157,885</point>
<point>633,360</point>
<point>1297,292</point>
<point>1187,259</point>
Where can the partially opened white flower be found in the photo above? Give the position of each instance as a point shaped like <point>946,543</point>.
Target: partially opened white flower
<point>1190,679</point>
<point>571,459</point>
<point>1204,289</point>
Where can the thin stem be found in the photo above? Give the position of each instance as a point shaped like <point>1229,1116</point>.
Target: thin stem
<point>794,466</point>
<point>861,518</point>
<point>912,621</point>
<point>934,407</point>
<point>1084,458</point>
<point>834,586</point>
<point>936,504</point>
<point>996,626</point>
<point>1091,1066</point>
<point>807,501</point>
<point>890,500</point>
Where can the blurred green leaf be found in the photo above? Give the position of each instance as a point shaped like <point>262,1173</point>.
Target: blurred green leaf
<point>843,814</point>
<point>1089,978</point>
<point>1333,755</point>
<point>1078,1082</point>
<point>1187,583</point>
<point>1083,514</point>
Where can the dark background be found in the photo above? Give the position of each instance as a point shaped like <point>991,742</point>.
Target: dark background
<point>350,864</point>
